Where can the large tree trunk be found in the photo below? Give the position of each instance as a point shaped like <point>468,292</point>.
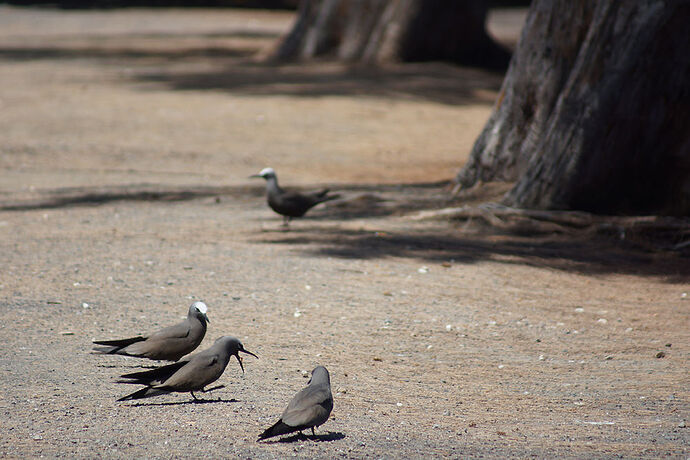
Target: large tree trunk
<point>381,30</point>
<point>594,113</point>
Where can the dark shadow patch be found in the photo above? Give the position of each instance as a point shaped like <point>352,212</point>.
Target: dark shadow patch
<point>585,254</point>
<point>437,82</point>
<point>117,4</point>
<point>118,54</point>
<point>84,196</point>
<point>647,247</point>
<point>235,70</point>
<point>370,205</point>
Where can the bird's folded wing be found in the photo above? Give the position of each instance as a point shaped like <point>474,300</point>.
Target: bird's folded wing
<point>180,331</point>
<point>297,199</point>
<point>200,371</point>
<point>306,406</point>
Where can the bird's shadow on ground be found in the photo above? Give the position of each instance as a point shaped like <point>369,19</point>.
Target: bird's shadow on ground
<point>127,366</point>
<point>182,403</point>
<point>326,437</point>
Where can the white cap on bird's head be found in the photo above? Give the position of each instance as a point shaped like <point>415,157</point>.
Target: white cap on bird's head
<point>200,306</point>
<point>266,173</point>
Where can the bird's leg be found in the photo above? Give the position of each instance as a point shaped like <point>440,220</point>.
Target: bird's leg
<point>312,431</point>
<point>286,221</point>
<point>195,398</point>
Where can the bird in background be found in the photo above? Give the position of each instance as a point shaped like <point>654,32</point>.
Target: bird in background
<point>170,343</point>
<point>290,204</point>
<point>309,408</point>
<point>190,374</point>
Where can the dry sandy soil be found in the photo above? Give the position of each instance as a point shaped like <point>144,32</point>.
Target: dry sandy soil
<point>126,140</point>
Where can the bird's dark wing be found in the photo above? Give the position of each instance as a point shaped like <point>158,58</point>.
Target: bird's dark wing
<point>299,200</point>
<point>202,370</point>
<point>308,405</point>
<point>179,330</point>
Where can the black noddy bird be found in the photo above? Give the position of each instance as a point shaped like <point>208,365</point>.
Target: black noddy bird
<point>169,344</point>
<point>190,374</point>
<point>290,204</point>
<point>309,408</point>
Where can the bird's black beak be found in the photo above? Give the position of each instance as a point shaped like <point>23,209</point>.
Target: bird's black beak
<point>249,353</point>
<point>255,175</point>
<point>206,317</point>
<point>239,360</point>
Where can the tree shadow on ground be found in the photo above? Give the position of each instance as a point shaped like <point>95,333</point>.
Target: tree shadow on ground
<point>583,254</point>
<point>442,83</point>
<point>233,70</point>
<point>617,247</point>
<point>118,54</point>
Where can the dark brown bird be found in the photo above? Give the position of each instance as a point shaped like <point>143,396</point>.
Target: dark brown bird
<point>190,374</point>
<point>290,204</point>
<point>170,343</point>
<point>309,408</point>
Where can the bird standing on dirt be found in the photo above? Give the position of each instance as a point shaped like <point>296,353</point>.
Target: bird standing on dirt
<point>290,204</point>
<point>309,408</point>
<point>170,343</point>
<point>190,374</point>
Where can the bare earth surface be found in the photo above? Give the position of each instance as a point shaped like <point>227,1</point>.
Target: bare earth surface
<point>126,139</point>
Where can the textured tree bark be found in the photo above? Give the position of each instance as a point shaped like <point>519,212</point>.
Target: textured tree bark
<point>384,30</point>
<point>594,113</point>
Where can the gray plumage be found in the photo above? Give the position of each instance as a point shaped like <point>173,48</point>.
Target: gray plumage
<point>170,343</point>
<point>189,374</point>
<point>290,204</point>
<point>309,408</point>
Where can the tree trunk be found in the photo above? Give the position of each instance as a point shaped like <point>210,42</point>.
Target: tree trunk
<point>383,30</point>
<point>594,113</point>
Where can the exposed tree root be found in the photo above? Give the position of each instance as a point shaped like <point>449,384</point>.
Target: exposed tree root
<point>657,232</point>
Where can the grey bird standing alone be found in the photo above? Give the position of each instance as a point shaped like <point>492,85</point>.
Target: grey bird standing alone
<point>309,408</point>
<point>170,343</point>
<point>290,204</point>
<point>190,374</point>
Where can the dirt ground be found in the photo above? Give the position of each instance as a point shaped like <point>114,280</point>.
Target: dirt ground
<point>126,140</point>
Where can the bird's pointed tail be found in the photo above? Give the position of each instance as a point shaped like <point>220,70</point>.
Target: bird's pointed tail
<point>276,430</point>
<point>323,196</point>
<point>114,346</point>
<point>145,392</point>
